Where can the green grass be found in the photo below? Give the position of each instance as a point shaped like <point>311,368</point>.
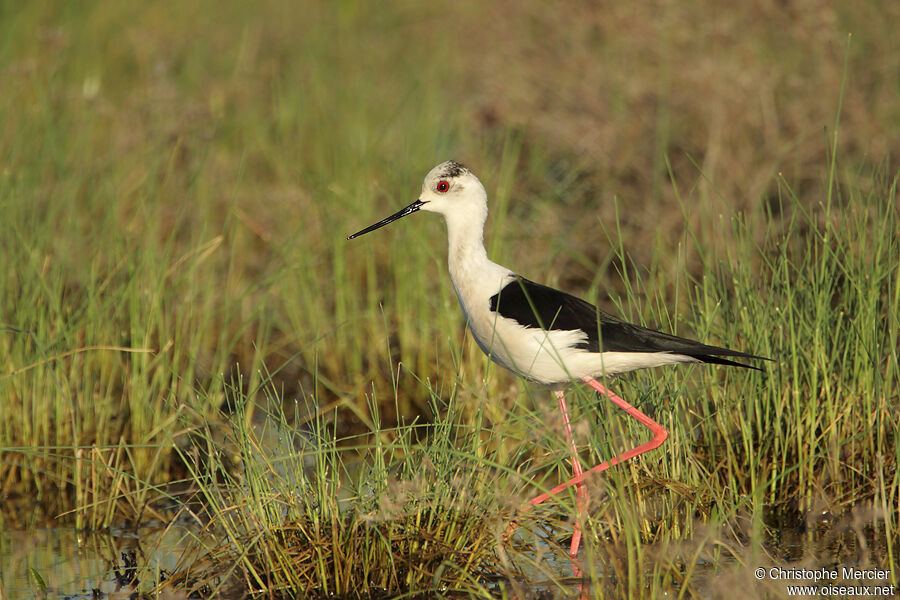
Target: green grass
<point>181,314</point>
<point>306,515</point>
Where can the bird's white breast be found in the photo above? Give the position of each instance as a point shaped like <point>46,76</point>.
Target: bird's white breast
<point>543,356</point>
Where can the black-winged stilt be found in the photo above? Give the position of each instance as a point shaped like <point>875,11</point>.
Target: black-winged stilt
<point>540,333</point>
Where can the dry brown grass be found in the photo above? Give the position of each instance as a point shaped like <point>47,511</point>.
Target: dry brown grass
<point>733,95</point>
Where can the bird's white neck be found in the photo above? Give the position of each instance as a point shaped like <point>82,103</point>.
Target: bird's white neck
<point>466,240</point>
<point>465,236</point>
<point>470,268</point>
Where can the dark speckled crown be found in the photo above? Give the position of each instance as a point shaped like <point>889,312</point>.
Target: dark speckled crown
<point>452,169</point>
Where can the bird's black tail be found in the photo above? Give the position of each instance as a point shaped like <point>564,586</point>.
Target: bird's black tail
<point>718,360</point>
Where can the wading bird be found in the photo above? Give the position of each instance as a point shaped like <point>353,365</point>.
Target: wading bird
<point>540,333</point>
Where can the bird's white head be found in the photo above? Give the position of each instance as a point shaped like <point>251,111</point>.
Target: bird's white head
<point>451,190</point>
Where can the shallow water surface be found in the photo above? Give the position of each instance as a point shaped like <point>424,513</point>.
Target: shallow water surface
<point>65,563</point>
<point>59,563</point>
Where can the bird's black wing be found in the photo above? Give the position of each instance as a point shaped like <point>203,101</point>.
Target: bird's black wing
<point>538,306</point>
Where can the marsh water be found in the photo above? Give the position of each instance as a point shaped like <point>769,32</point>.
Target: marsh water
<point>64,563</point>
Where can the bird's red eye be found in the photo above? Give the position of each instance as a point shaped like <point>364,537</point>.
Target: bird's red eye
<point>442,186</point>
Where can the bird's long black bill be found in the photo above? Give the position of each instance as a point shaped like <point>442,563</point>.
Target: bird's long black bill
<point>397,215</point>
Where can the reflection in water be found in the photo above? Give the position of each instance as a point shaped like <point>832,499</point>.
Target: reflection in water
<point>71,564</point>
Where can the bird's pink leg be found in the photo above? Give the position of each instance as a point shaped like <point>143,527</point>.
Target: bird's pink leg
<point>577,471</point>
<point>659,436</point>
